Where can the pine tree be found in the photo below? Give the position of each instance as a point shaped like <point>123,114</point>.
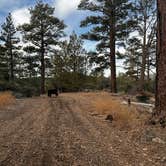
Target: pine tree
<point>151,56</point>
<point>4,73</point>
<point>133,58</point>
<point>72,56</point>
<point>31,62</point>
<point>43,31</point>
<point>8,37</point>
<point>70,61</point>
<point>76,52</point>
<point>110,25</point>
<point>145,13</point>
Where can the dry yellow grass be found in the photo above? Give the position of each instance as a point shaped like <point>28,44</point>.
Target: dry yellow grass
<point>6,98</point>
<point>105,103</point>
<point>123,114</point>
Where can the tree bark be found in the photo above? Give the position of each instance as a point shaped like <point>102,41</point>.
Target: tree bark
<point>112,51</point>
<point>42,63</point>
<point>144,55</point>
<point>11,66</point>
<point>148,67</point>
<point>42,72</point>
<point>161,60</point>
<point>11,62</point>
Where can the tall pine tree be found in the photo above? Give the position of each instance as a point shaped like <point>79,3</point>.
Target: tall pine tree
<point>10,41</point>
<point>4,73</point>
<point>70,63</point>
<point>133,58</point>
<point>43,31</point>
<point>76,51</point>
<point>110,25</point>
<point>71,57</point>
<point>145,11</point>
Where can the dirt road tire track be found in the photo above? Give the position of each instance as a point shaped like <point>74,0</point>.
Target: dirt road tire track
<point>61,132</point>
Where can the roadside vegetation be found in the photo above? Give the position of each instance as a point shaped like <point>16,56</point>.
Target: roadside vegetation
<point>105,104</point>
<point>6,98</point>
<point>121,113</point>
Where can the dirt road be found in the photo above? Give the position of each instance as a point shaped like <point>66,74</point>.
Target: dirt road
<point>62,132</point>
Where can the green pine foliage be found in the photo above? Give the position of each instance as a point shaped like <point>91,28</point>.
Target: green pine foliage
<point>4,75</point>
<point>10,43</point>
<point>132,57</point>
<point>31,62</point>
<point>43,32</point>
<point>109,25</point>
<point>71,64</point>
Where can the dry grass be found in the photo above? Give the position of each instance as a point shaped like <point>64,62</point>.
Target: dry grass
<point>6,98</point>
<point>104,103</point>
<point>123,114</point>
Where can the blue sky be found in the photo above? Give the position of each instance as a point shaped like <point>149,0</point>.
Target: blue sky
<point>64,9</point>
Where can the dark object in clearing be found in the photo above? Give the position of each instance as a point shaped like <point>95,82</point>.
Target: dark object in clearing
<point>154,121</point>
<point>142,98</point>
<point>52,91</point>
<point>110,118</point>
<point>162,122</point>
<point>129,101</point>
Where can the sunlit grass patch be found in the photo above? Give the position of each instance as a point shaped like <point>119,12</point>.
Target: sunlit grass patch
<point>105,103</point>
<point>6,98</point>
<point>123,114</point>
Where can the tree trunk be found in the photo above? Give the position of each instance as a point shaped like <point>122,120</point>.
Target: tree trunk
<point>42,72</point>
<point>11,63</point>
<point>161,60</point>
<point>42,64</point>
<point>112,51</point>
<point>74,64</point>
<point>11,67</point>
<point>148,67</point>
<point>144,55</point>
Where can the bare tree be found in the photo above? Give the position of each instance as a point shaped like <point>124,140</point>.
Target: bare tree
<point>146,17</point>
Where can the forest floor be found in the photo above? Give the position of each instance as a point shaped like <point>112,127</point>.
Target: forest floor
<point>71,130</point>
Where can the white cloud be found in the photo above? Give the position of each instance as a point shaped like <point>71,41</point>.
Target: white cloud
<point>64,8</point>
<point>21,16</point>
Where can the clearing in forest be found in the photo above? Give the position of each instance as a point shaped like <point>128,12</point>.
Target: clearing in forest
<point>71,130</point>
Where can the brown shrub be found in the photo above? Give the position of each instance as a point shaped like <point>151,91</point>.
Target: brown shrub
<point>6,98</point>
<point>123,114</point>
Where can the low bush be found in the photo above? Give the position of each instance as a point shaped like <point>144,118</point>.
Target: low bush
<point>142,98</point>
<point>6,98</point>
<point>122,114</point>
